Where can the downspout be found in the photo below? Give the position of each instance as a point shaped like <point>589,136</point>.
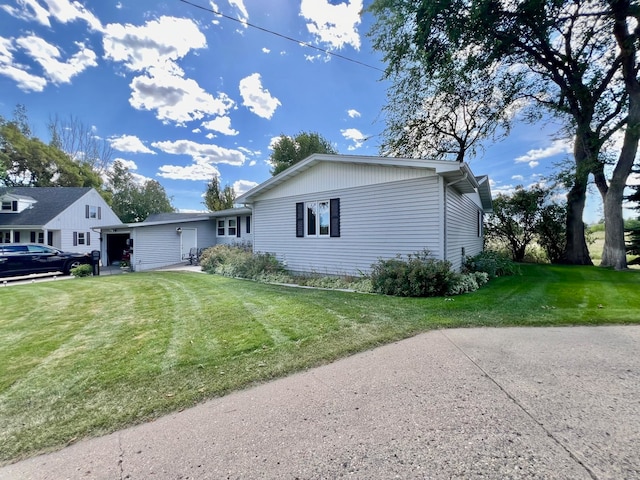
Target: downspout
<point>444,226</point>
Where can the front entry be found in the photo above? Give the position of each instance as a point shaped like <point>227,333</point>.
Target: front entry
<point>189,240</point>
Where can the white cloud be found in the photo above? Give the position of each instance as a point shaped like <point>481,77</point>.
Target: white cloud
<point>243,186</point>
<point>519,178</point>
<point>175,98</point>
<point>556,148</point>
<point>243,15</point>
<point>197,171</point>
<point>333,24</point>
<point>18,73</point>
<point>353,113</point>
<point>129,143</point>
<point>220,124</point>
<point>48,57</point>
<point>256,98</point>
<point>265,50</point>
<point>158,43</point>
<point>355,135</point>
<point>64,11</point>
<point>533,164</point>
<point>155,49</point>
<point>202,153</point>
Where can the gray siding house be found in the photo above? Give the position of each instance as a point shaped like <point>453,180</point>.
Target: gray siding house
<point>63,217</point>
<point>166,239</point>
<point>338,215</point>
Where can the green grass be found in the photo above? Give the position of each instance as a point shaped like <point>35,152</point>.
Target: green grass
<point>85,357</point>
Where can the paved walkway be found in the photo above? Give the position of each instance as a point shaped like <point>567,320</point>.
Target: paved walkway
<point>545,403</point>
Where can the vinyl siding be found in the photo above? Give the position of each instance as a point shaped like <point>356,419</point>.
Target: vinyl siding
<point>377,221</point>
<point>462,227</point>
<point>73,219</point>
<point>159,246</point>
<point>331,176</point>
<point>244,238</point>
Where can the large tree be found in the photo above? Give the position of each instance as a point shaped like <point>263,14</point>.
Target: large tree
<point>133,201</point>
<point>80,142</point>
<point>288,151</point>
<point>216,199</point>
<point>573,59</point>
<point>27,161</point>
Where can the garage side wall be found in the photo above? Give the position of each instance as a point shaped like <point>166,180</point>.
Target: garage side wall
<point>376,221</point>
<point>464,228</point>
<point>159,246</point>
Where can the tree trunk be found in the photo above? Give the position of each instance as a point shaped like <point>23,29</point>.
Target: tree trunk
<point>576,251</point>
<point>614,253</point>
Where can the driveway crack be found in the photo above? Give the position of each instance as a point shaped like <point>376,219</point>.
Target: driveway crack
<point>523,408</point>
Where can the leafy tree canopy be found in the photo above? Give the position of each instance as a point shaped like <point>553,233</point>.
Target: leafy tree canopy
<point>132,201</point>
<point>27,161</point>
<point>216,199</point>
<point>573,59</point>
<point>524,216</point>
<point>288,151</point>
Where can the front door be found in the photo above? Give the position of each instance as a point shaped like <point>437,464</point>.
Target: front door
<point>189,240</point>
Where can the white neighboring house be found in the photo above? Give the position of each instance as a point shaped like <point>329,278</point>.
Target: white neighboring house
<point>338,214</point>
<point>166,239</point>
<point>63,217</point>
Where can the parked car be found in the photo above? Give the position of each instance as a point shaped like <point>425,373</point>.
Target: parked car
<point>26,258</point>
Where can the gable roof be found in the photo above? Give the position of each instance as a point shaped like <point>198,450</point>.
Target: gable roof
<point>454,173</point>
<point>50,201</point>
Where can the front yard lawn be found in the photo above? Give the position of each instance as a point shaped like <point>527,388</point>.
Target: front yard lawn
<point>85,357</point>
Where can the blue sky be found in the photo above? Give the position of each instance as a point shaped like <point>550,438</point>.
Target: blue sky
<point>182,94</point>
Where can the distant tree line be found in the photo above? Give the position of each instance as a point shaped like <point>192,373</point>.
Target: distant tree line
<point>75,157</point>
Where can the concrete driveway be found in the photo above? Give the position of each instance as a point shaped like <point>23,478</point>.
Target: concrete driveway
<point>546,403</point>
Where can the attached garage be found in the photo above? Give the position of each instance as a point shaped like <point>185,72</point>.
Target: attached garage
<point>166,239</point>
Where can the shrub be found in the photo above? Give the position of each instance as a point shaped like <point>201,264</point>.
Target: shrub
<point>468,282</point>
<point>420,275</point>
<point>492,263</point>
<point>84,270</point>
<point>234,261</point>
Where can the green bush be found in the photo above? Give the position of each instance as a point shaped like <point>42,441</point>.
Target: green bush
<point>84,270</point>
<point>420,275</point>
<point>235,261</point>
<point>467,282</point>
<point>494,264</point>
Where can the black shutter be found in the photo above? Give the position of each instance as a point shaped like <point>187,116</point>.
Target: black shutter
<point>248,223</point>
<point>86,211</point>
<point>99,213</point>
<point>75,239</point>
<point>14,205</point>
<point>334,217</point>
<point>300,219</point>
<point>88,238</point>
<point>238,227</point>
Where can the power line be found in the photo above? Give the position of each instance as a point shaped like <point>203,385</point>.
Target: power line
<point>291,39</point>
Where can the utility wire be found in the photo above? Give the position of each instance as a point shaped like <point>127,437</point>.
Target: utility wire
<point>299,42</point>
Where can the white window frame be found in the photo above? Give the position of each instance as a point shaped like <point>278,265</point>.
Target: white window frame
<point>232,227</point>
<point>322,222</point>
<point>220,228</point>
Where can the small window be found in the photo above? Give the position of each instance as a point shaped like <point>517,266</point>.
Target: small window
<point>231,231</point>
<point>81,240</point>
<point>318,219</point>
<point>7,206</point>
<point>221,228</point>
<point>93,211</point>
